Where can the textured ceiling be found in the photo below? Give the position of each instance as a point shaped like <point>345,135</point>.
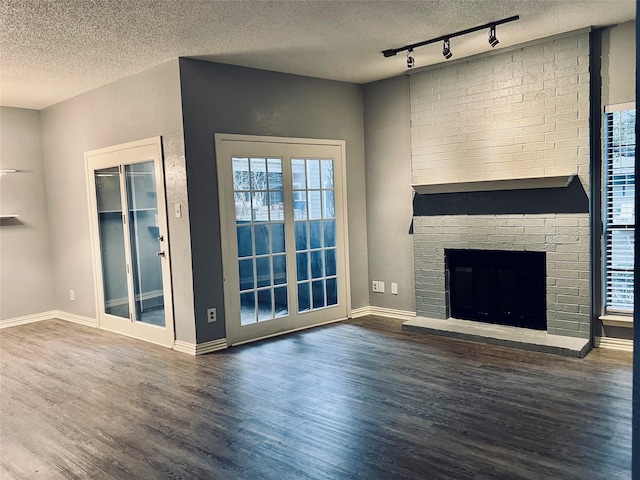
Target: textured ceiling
<point>52,50</point>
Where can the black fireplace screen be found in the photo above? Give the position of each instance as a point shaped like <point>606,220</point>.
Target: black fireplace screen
<point>501,287</point>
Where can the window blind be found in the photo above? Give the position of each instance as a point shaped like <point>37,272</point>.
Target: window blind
<point>619,209</point>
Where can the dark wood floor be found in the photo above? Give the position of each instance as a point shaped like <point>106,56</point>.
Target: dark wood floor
<point>359,399</point>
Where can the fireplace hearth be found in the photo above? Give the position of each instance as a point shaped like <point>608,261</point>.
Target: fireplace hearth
<point>500,287</point>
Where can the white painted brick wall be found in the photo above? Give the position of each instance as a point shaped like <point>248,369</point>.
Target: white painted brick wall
<point>515,114</point>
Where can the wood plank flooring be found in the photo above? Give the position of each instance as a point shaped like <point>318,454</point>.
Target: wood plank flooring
<point>358,399</point>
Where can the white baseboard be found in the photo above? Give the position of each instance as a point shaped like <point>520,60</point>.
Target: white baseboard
<point>73,318</point>
<point>50,315</point>
<point>200,348</point>
<point>382,312</point>
<point>614,343</point>
<point>37,317</point>
<point>360,312</point>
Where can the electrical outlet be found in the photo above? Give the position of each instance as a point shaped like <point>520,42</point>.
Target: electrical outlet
<point>374,286</point>
<point>211,315</point>
<point>394,288</point>
<point>72,295</point>
<point>381,287</point>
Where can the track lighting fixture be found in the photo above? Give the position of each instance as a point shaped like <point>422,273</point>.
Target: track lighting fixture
<point>446,49</point>
<point>493,40</point>
<point>410,59</point>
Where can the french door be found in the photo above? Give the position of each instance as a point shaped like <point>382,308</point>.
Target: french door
<point>283,211</point>
<point>129,233</point>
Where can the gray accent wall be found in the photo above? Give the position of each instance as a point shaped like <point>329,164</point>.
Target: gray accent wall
<point>141,106</point>
<point>25,256</point>
<point>389,194</point>
<point>219,98</point>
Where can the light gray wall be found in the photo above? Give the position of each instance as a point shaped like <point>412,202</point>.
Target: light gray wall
<point>142,106</point>
<point>221,98</point>
<point>619,64</point>
<point>387,136</point>
<point>25,256</point>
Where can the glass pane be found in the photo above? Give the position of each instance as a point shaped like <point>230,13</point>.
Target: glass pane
<point>332,291</point>
<point>302,242</point>
<point>318,293</point>
<point>330,262</point>
<point>281,304</point>
<point>279,269</point>
<point>622,242</point>
<point>302,262</point>
<point>111,231</point>
<point>143,233</point>
<point>263,271</point>
<point>274,168</point>
<point>300,205</point>
<point>304,297</point>
<point>317,268</point>
<point>245,269</point>
<point>247,308</point>
<point>299,176</point>
<point>277,238</point>
<point>260,205</point>
<point>245,242</point>
<point>315,234</point>
<point>315,205</point>
<point>328,204</point>
<point>327,173</point>
<point>313,174</point>
<point>241,174</point>
<point>330,233</point>
<point>243,206</point>
<point>265,308</point>
<point>276,210</point>
<point>258,174</point>
<point>262,239</point>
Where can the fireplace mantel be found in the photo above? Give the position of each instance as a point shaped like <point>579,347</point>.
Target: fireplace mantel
<point>520,183</point>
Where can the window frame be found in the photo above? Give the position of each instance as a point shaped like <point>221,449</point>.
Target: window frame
<point>613,182</point>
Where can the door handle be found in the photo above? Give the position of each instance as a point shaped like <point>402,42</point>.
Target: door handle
<point>160,254</point>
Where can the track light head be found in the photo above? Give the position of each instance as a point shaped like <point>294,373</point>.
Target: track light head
<point>411,60</point>
<point>446,49</point>
<point>493,40</point>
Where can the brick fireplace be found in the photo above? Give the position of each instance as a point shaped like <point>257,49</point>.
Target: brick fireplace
<point>514,115</point>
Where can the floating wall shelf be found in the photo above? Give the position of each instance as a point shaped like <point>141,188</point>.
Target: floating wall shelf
<point>523,183</point>
<point>5,171</point>
<point>5,217</point>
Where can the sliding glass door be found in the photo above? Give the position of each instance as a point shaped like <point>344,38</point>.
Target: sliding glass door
<point>129,223</point>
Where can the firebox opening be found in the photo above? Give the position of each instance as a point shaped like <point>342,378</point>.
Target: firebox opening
<point>501,287</point>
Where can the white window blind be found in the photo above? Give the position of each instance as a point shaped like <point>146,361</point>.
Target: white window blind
<point>619,209</point>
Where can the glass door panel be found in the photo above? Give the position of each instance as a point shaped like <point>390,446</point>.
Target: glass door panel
<point>260,235</point>
<point>315,232</point>
<point>131,251</point>
<point>111,238</point>
<point>144,236</point>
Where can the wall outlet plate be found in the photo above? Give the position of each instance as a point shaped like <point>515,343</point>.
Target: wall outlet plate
<point>211,315</point>
<point>374,286</point>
